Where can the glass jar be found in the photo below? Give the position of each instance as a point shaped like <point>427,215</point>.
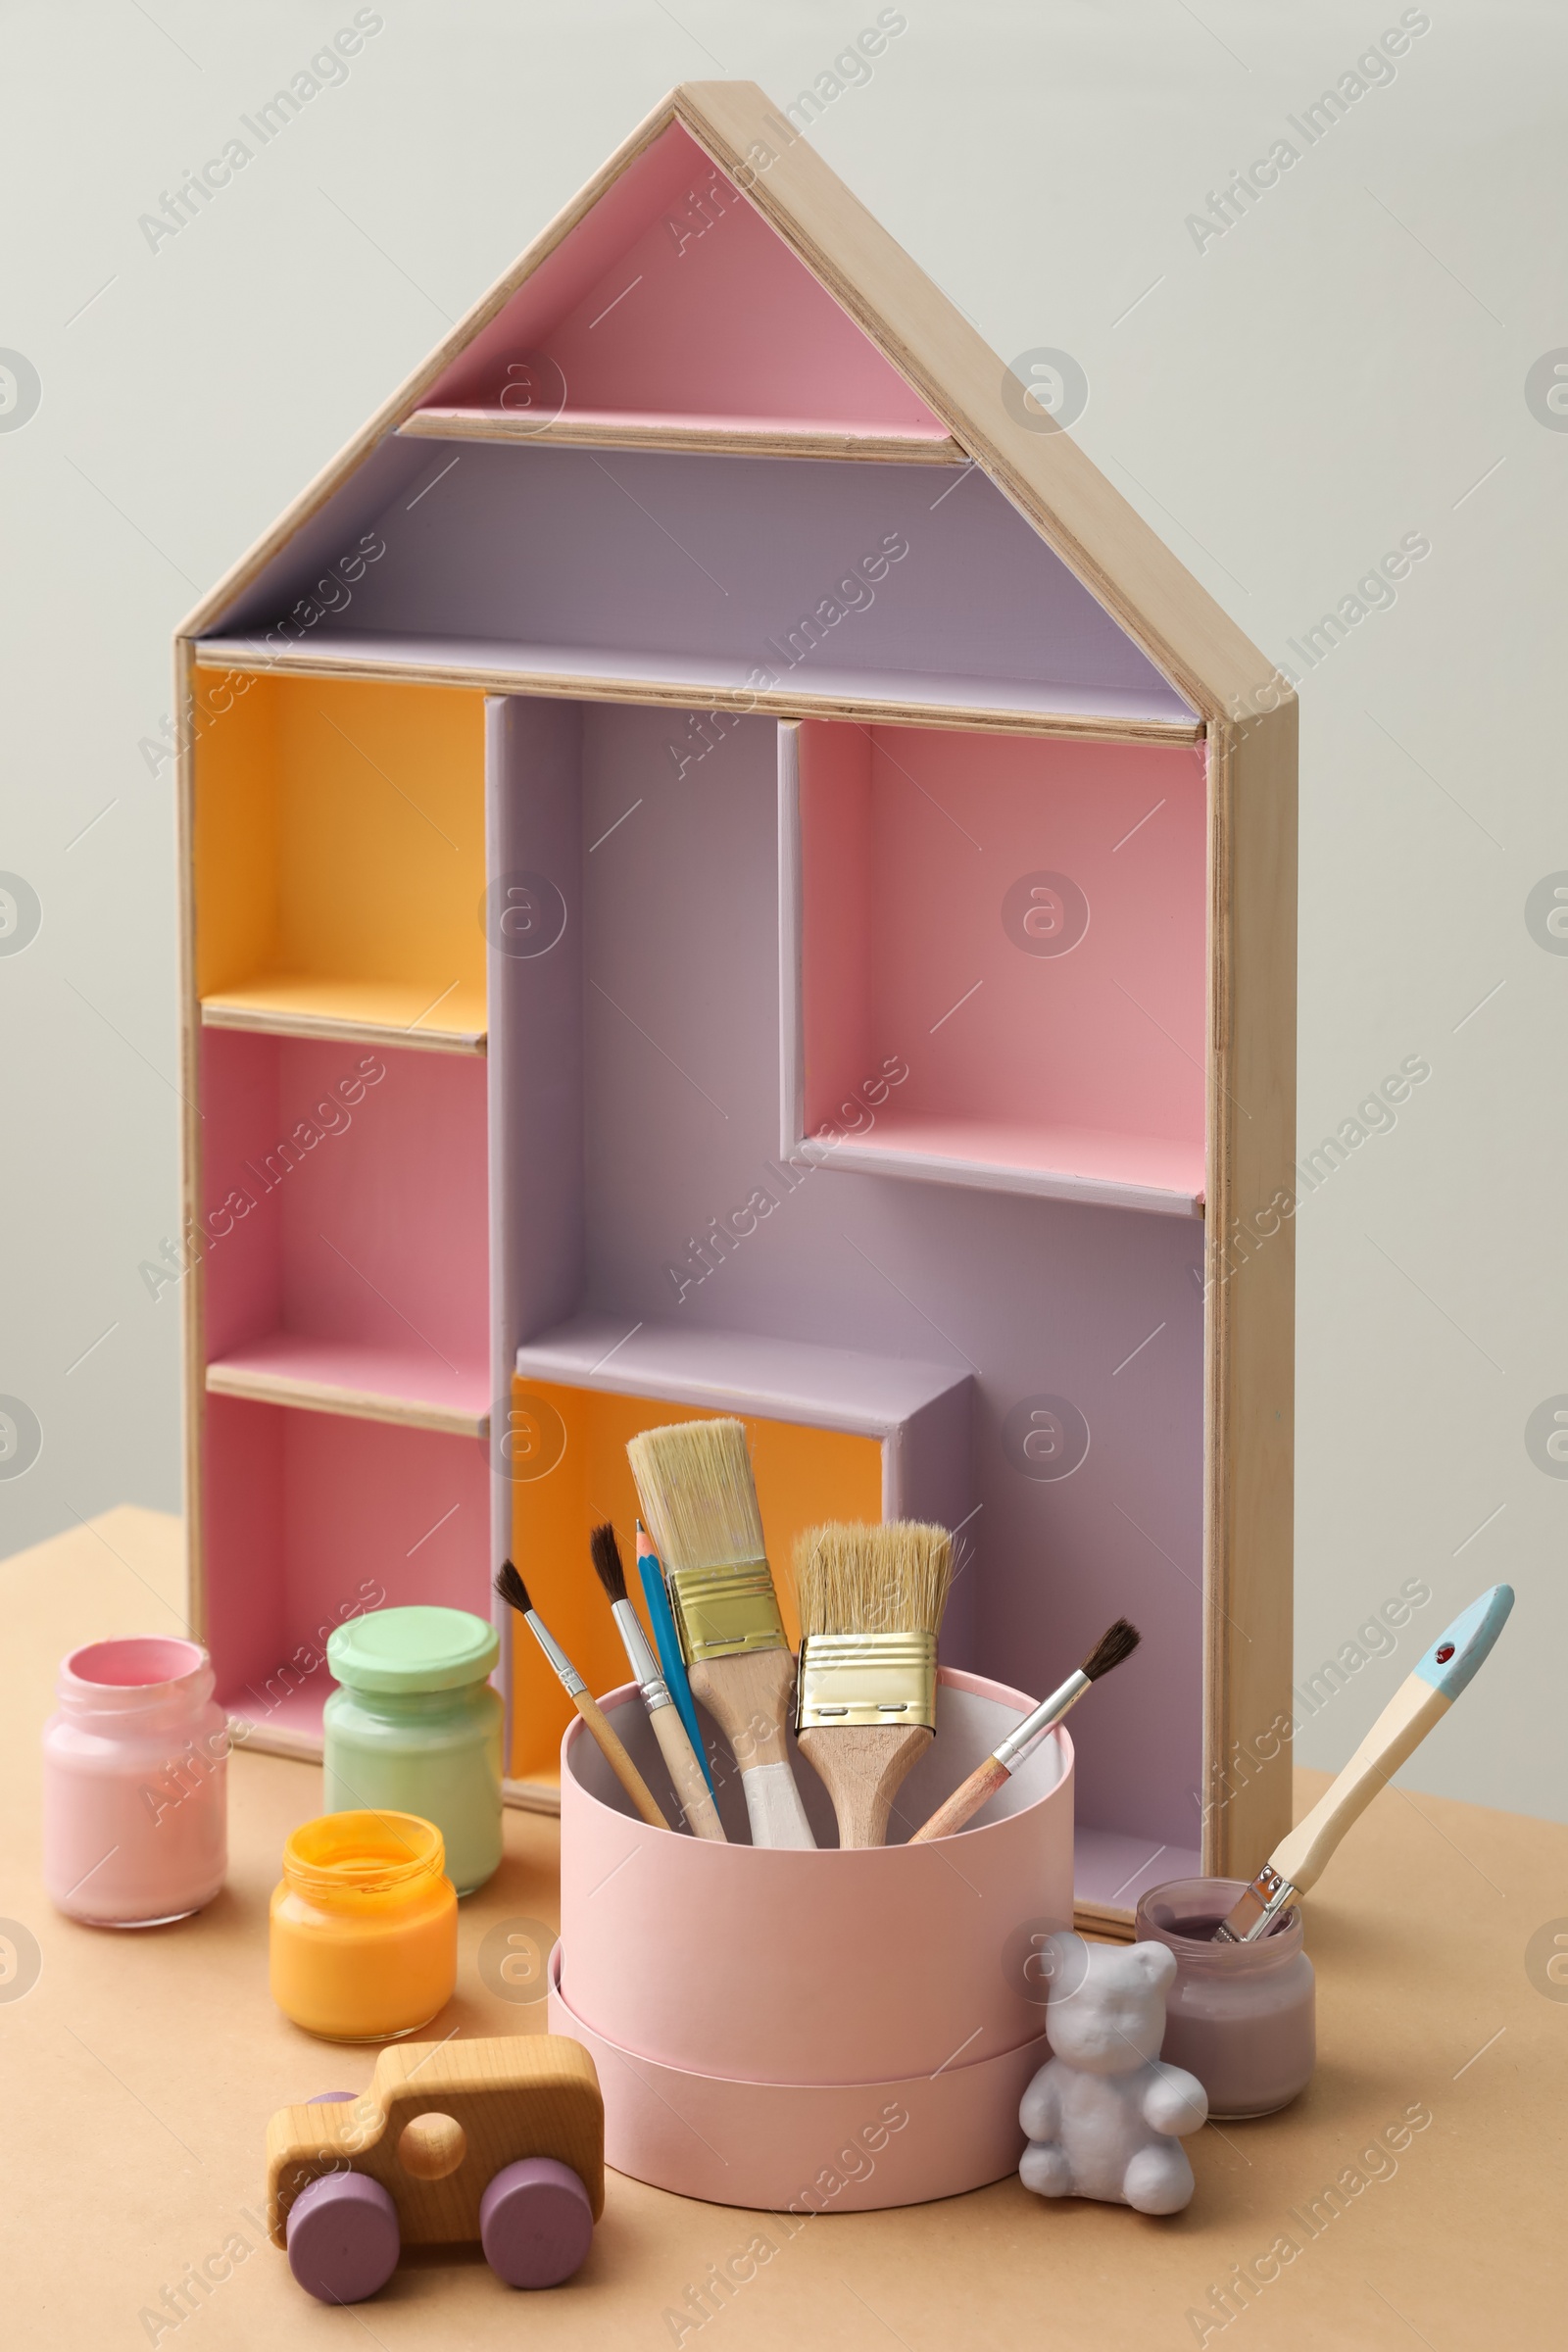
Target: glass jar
<point>134,1785</point>
<point>1238,2016</point>
<point>363,1927</point>
<point>416,1728</point>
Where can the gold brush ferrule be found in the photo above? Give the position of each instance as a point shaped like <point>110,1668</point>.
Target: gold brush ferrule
<point>866,1678</point>
<point>722,1612</point>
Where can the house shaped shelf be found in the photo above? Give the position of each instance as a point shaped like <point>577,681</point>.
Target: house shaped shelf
<point>731,873</point>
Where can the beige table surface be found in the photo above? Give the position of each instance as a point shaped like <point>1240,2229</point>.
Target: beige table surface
<point>138,2072</point>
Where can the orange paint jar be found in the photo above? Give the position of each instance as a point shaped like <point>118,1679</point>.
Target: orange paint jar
<point>363,1927</point>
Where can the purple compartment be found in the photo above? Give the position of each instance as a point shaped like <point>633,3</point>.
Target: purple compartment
<point>536,2223</point>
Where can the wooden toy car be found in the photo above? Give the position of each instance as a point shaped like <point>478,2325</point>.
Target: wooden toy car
<point>500,2140</point>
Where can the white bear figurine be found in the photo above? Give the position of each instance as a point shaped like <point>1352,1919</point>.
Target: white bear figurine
<point>1104,2119</point>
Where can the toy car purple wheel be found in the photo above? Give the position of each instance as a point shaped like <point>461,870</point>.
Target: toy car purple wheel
<point>536,2223</point>
<point>342,2235</point>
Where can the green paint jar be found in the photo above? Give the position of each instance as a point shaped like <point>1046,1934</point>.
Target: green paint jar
<point>416,1728</point>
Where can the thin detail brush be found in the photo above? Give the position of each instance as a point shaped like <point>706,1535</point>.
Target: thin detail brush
<point>686,1774</point>
<point>671,1664</point>
<point>513,1591</point>
<point>1113,1647</point>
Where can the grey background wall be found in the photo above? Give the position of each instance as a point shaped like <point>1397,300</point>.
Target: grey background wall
<point>1290,384</point>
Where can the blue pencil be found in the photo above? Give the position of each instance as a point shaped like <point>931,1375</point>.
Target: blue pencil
<point>671,1663</point>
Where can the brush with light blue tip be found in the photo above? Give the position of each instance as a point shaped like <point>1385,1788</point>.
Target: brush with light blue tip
<point>671,1663</point>
<point>1426,1693</point>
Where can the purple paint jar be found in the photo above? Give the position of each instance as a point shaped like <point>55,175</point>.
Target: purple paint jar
<point>134,1771</point>
<point>1238,2016</point>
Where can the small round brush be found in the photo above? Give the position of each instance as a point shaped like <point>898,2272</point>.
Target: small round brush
<point>685,1772</point>
<point>513,1591</point>
<point>1115,1645</point>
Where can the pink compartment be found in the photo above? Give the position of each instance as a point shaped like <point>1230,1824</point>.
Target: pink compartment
<point>751,2011</point>
<point>315,1517</point>
<point>357,1259</point>
<point>673,298</point>
<point>1019,927</point>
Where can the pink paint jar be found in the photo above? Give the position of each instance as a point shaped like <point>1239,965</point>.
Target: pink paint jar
<point>1238,2016</point>
<point>134,1785</point>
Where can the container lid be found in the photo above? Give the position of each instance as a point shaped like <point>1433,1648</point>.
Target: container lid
<point>412,1650</point>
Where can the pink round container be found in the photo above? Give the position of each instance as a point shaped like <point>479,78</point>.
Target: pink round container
<point>134,1770</point>
<point>824,2031</point>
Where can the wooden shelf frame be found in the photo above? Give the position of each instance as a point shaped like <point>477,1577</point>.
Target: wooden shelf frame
<point>1242,713</point>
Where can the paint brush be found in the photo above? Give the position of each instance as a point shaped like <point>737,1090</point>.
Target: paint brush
<point>686,1774</point>
<point>1425,1695</point>
<point>699,1500</point>
<point>673,1665</point>
<point>1116,1644</point>
<point>513,1591</point>
<point>871,1600</point>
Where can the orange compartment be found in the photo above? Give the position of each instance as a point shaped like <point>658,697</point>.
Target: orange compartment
<point>570,1472</point>
<point>340,858</point>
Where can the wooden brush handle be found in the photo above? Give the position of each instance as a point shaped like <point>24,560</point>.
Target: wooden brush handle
<point>748,1696</point>
<point>774,1812</point>
<point>862,1766</point>
<point>964,1802</point>
<point>687,1774</point>
<point>1401,1727</point>
<point>1420,1701</point>
<point>620,1764</point>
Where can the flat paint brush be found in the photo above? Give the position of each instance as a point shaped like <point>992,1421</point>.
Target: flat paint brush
<point>650,1568</point>
<point>1115,1645</point>
<point>1425,1695</point>
<point>686,1774</point>
<point>870,1599</point>
<point>699,1500</point>
<point>513,1591</point>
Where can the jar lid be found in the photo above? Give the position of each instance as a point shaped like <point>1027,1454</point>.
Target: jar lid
<point>412,1650</point>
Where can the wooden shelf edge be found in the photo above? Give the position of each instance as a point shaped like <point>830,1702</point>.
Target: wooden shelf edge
<point>348,1033</point>
<point>715,440</point>
<point>531,1796</point>
<point>1108,1921</point>
<point>355,1404</point>
<point>554,686</point>
<point>1042,1184</point>
<point>255,1736</point>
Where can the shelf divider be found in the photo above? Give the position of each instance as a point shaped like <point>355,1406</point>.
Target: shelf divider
<point>686,681</point>
<point>368,1384</point>
<point>719,436</point>
<point>286,1008</point>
